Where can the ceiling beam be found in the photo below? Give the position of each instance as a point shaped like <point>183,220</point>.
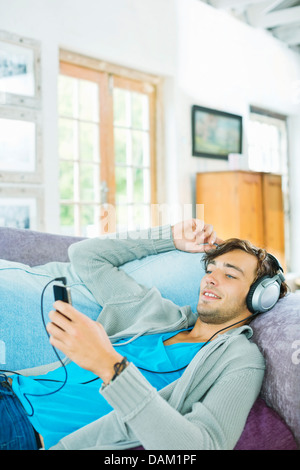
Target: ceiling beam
<point>277,18</point>
<point>290,35</point>
<point>267,5</point>
<point>255,12</point>
<point>226,4</point>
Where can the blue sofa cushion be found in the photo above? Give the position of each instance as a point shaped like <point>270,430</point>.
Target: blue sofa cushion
<point>176,274</point>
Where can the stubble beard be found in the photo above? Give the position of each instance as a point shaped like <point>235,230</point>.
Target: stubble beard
<point>218,316</point>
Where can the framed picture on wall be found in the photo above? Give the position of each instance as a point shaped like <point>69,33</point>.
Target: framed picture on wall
<point>21,208</point>
<point>20,82</point>
<point>215,134</point>
<point>20,146</point>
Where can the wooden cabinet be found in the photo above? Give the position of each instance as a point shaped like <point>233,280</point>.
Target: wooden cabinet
<point>246,205</point>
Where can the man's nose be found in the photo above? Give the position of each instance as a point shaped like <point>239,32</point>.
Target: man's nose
<point>212,278</point>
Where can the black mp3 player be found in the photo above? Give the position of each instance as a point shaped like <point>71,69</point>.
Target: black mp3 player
<point>62,293</point>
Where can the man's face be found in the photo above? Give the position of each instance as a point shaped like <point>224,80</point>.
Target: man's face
<point>224,287</point>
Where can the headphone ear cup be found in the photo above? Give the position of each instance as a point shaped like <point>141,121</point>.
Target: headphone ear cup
<point>263,294</point>
<point>253,290</point>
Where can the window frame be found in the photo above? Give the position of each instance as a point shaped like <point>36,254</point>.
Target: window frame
<point>109,76</point>
<point>278,120</point>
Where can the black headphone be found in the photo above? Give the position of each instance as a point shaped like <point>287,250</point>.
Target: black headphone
<point>265,291</point>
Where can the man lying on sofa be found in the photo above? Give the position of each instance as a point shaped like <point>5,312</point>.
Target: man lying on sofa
<point>170,379</point>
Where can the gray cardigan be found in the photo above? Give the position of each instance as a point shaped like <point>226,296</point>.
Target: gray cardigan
<point>207,407</point>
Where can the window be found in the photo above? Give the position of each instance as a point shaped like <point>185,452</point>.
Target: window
<point>267,138</point>
<point>268,152</point>
<point>106,150</point>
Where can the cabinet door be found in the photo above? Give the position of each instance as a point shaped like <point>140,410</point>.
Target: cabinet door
<point>273,216</point>
<point>245,205</point>
<point>218,193</point>
<point>251,208</point>
<point>233,204</point>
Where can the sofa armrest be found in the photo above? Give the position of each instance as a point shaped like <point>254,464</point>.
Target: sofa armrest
<point>34,248</point>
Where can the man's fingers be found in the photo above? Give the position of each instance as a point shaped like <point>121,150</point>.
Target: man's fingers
<point>207,235</point>
<point>198,225</point>
<point>212,246</point>
<point>56,343</point>
<point>59,319</point>
<point>69,311</point>
<point>212,238</point>
<point>66,309</point>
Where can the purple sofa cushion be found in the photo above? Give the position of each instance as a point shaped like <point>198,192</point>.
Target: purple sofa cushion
<point>265,430</point>
<point>277,334</point>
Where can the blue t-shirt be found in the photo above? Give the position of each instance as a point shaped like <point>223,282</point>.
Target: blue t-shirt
<point>77,404</point>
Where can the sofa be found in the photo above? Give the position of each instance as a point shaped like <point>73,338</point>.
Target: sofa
<point>29,260</point>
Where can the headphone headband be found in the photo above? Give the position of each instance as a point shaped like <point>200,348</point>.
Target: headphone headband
<point>275,260</point>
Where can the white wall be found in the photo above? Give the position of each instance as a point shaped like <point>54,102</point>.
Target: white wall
<point>207,58</point>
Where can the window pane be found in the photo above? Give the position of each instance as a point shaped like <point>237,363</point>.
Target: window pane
<point>121,104</point>
<point>66,180</point>
<point>141,185</point>
<point>67,139</point>
<point>267,144</point>
<point>140,111</point>
<point>138,185</point>
<point>147,185</point>
<point>87,175</point>
<point>141,216</point>
<point>67,219</point>
<point>120,143</point>
<point>88,226</point>
<point>121,184</point>
<point>89,142</point>
<point>88,100</point>
<point>122,217</point>
<point>140,148</point>
<point>67,96</point>
<point>137,148</point>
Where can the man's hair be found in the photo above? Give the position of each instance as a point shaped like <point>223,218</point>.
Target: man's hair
<point>266,265</point>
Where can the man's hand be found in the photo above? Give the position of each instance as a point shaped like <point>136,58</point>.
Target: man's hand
<point>194,236</point>
<point>82,340</point>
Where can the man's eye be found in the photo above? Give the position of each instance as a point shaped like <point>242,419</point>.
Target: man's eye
<point>230,276</point>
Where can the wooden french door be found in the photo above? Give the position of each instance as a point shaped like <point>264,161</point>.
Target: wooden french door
<point>106,151</point>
